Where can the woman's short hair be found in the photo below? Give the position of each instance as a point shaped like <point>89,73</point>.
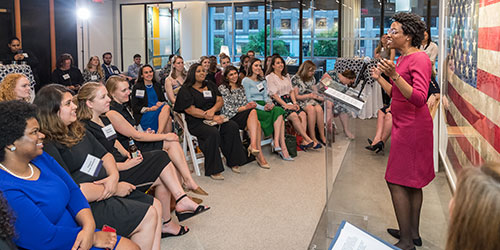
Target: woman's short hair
<point>225,81</point>
<point>304,70</point>
<point>8,85</point>
<point>63,57</point>
<point>48,101</point>
<point>475,215</point>
<point>275,58</point>
<point>112,84</point>
<point>250,70</point>
<point>173,71</point>
<point>13,117</point>
<point>412,25</point>
<point>86,93</point>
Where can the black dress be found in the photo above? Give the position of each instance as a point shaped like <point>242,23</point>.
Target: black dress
<point>146,172</point>
<point>144,146</point>
<point>70,77</point>
<point>122,213</point>
<point>226,136</point>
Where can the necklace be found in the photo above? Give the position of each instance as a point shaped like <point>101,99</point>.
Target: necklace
<point>20,177</point>
<point>149,86</point>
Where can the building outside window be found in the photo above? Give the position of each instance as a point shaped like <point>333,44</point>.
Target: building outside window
<point>253,24</point>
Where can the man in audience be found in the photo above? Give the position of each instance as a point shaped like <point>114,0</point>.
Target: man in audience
<point>109,69</point>
<point>133,69</point>
<point>224,62</point>
<point>15,53</point>
<point>251,54</point>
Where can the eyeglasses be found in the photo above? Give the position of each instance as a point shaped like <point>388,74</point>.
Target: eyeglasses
<point>392,31</point>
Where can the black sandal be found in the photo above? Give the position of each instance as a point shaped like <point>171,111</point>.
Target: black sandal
<point>188,214</point>
<point>182,231</point>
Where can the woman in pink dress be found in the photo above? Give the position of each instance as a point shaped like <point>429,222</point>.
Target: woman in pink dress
<point>410,165</point>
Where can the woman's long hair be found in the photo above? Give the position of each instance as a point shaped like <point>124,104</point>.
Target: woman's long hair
<point>173,72</point>
<point>48,102</point>
<point>225,81</point>
<point>475,216</point>
<point>7,87</point>
<point>140,77</point>
<point>86,93</point>
<point>7,230</point>
<point>98,67</point>
<point>250,70</point>
<point>191,76</point>
<point>213,64</point>
<point>304,69</point>
<point>270,69</point>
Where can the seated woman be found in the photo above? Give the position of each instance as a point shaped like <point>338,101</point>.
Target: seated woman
<point>15,87</point>
<point>29,179</point>
<point>148,103</point>
<point>121,118</point>
<point>151,169</point>
<point>201,101</point>
<point>114,203</point>
<point>93,72</point>
<point>280,89</point>
<point>237,108</point>
<point>341,82</point>
<point>212,69</point>
<point>177,76</point>
<point>304,85</point>
<point>474,218</point>
<point>244,59</point>
<point>270,116</point>
<point>66,74</point>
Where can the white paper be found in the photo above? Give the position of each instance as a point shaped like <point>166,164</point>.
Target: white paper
<point>91,166</point>
<point>352,238</point>
<point>207,94</point>
<point>109,132</point>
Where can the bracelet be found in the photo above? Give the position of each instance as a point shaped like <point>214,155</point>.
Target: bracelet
<point>397,78</point>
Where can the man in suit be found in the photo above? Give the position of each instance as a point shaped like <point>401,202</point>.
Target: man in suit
<point>109,69</point>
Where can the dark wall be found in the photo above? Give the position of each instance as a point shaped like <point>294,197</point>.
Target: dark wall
<point>6,24</point>
<point>65,22</point>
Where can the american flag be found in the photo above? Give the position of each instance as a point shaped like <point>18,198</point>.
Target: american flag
<point>472,87</point>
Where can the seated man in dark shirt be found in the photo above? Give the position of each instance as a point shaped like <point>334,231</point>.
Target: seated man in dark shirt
<point>66,74</point>
<point>109,69</point>
<point>16,54</point>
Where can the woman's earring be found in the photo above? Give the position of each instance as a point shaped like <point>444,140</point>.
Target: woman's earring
<point>13,148</point>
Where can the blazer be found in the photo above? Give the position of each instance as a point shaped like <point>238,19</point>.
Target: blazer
<point>138,103</point>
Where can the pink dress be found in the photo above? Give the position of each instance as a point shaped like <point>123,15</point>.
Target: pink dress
<point>410,158</point>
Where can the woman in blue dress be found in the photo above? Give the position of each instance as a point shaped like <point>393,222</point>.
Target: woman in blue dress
<point>148,103</point>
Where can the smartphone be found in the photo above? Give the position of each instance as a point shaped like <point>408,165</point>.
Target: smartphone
<point>107,228</point>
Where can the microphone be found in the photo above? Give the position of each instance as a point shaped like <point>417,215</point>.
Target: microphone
<point>360,76</point>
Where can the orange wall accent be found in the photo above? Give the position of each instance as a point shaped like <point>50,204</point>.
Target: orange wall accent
<point>52,36</point>
<point>17,14</point>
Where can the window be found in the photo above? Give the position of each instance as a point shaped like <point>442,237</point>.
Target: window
<point>253,24</point>
<point>286,24</point>
<point>219,9</point>
<point>321,23</point>
<point>219,24</point>
<point>238,9</point>
<point>239,24</point>
<point>253,9</point>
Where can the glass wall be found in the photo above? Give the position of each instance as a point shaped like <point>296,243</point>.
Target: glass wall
<point>159,34</point>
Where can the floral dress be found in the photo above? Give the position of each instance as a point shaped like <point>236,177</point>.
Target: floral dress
<point>233,99</point>
<point>304,89</point>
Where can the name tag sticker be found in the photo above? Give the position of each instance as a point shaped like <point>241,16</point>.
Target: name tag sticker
<point>25,55</point>
<point>116,71</point>
<point>109,132</point>
<point>207,94</point>
<point>65,76</point>
<point>260,87</point>
<point>140,93</point>
<point>93,77</point>
<point>91,166</point>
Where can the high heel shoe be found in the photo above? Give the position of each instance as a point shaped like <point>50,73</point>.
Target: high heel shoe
<point>182,231</point>
<point>199,191</point>
<point>265,166</point>
<point>370,142</point>
<point>289,158</point>
<point>395,233</point>
<point>252,151</point>
<point>378,147</point>
<point>275,149</point>
<point>307,146</point>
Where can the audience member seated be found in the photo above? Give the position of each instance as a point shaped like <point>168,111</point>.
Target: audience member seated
<point>7,231</point>
<point>165,71</point>
<point>133,70</point>
<point>281,90</point>
<point>15,87</point>
<point>131,212</point>
<point>212,70</point>
<point>304,85</point>
<point>93,72</point>
<point>123,122</point>
<point>238,109</point>
<point>201,101</point>
<point>474,217</point>
<point>271,117</point>
<point>109,69</point>
<point>267,63</point>
<point>146,170</point>
<point>340,82</point>
<point>243,66</point>
<point>149,103</point>
<point>16,54</point>
<point>251,54</point>
<point>66,74</point>
<point>51,212</point>
<point>176,78</point>
<point>224,62</point>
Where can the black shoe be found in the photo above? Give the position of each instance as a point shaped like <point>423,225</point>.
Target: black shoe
<point>395,233</point>
<point>370,148</point>
<point>182,231</point>
<point>378,147</point>
<point>369,141</point>
<point>184,215</point>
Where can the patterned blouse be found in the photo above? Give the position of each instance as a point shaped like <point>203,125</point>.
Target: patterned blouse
<point>233,99</point>
<point>89,76</point>
<point>304,89</point>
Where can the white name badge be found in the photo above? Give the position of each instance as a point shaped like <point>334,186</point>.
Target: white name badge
<point>25,55</point>
<point>91,166</point>
<point>260,86</point>
<point>65,76</point>
<point>140,93</point>
<point>93,77</point>
<point>116,71</point>
<point>109,132</point>
<point>207,94</point>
